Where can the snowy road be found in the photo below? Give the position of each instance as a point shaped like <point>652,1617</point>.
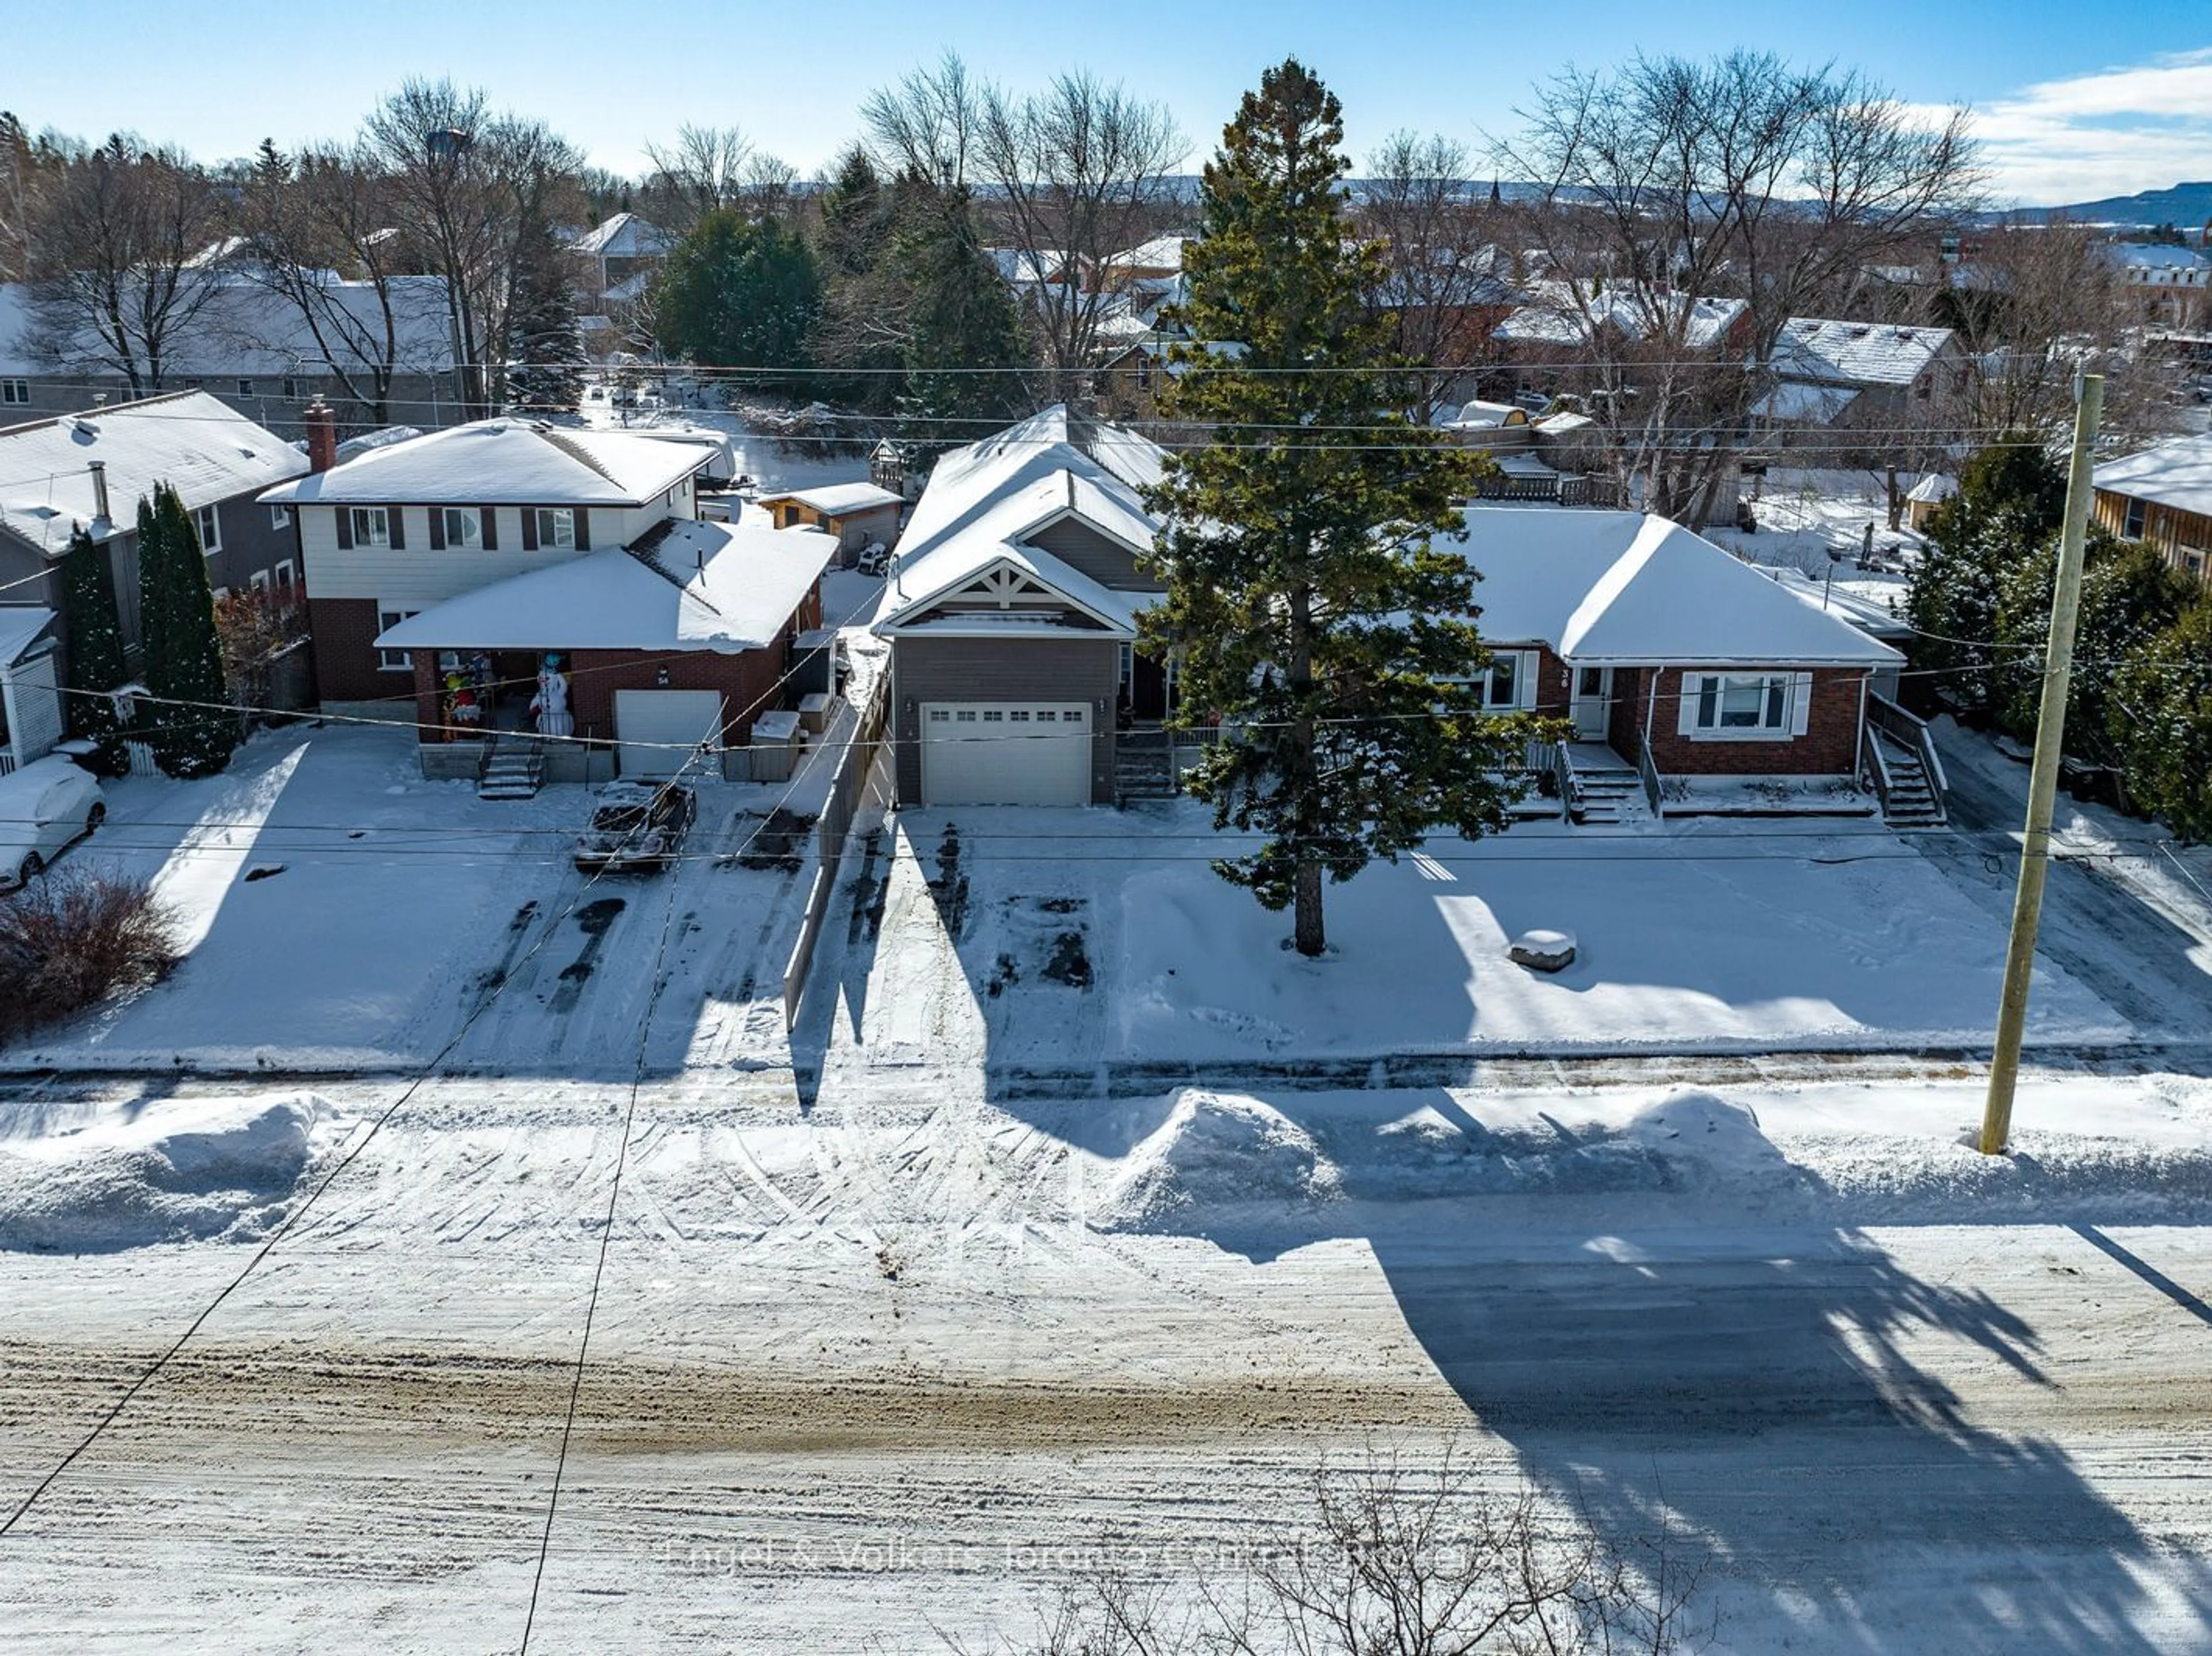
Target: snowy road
<point>903,1361</point>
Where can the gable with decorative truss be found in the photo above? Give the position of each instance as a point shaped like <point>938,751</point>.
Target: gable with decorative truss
<point>1005,592</point>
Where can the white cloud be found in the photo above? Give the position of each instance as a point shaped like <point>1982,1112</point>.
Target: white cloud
<point>2110,133</point>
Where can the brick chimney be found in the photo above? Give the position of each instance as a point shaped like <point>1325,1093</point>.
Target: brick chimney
<point>322,436</point>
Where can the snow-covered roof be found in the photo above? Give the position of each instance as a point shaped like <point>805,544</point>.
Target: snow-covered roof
<point>1020,266</point>
<point>835,499</point>
<point>1160,254</point>
<point>1564,314</point>
<point>2159,263</point>
<point>1935,487</point>
<point>506,462</point>
<point>187,438</point>
<point>630,289</point>
<point>1795,401</point>
<point>624,236</point>
<point>1855,353</point>
<point>984,500</point>
<point>1624,589</point>
<point>2177,473</point>
<point>243,331</point>
<point>1484,417</point>
<point>723,587</point>
<point>20,626</point>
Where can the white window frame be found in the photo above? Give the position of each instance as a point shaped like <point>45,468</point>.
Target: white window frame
<point>259,580</point>
<point>246,388</point>
<point>291,389</point>
<point>1783,704</point>
<point>1518,667</point>
<point>15,391</point>
<point>371,525</point>
<point>208,521</point>
<point>280,517</point>
<point>286,574</point>
<point>393,661</point>
<point>472,519</point>
<point>2135,518</point>
<point>556,529</point>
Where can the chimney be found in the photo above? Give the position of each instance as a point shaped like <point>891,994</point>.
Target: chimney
<point>100,512</point>
<point>322,436</point>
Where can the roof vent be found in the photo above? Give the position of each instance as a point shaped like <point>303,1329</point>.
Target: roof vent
<point>85,428</point>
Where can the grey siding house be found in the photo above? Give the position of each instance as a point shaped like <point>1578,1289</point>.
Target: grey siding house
<point>90,467</point>
<point>1011,613</point>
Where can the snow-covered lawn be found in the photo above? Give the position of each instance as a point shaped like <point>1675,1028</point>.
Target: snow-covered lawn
<point>339,911</point>
<point>1059,939</point>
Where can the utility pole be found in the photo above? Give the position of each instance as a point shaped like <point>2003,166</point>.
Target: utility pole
<point>2043,775</point>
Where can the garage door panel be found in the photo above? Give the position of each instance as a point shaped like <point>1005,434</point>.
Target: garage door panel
<point>1006,753</point>
<point>658,731</point>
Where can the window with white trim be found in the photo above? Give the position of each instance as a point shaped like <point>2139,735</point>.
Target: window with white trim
<point>287,575</point>
<point>209,522</point>
<point>291,389</point>
<point>556,529</point>
<point>1744,706</point>
<point>1501,685</point>
<point>246,388</point>
<point>2132,523</point>
<point>280,517</point>
<point>14,391</point>
<point>372,525</point>
<point>259,580</point>
<point>393,661</point>
<point>463,527</point>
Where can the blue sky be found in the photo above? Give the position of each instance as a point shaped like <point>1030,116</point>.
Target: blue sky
<point>2075,99</point>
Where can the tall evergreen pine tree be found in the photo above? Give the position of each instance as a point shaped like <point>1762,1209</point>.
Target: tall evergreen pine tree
<point>94,628</point>
<point>192,736</point>
<point>548,373</point>
<point>1305,604</point>
<point>963,343</point>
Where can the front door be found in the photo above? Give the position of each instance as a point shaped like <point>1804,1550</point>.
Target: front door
<point>1593,703</point>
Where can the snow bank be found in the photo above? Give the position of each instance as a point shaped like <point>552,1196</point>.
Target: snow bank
<point>1216,1153</point>
<point>178,1170</point>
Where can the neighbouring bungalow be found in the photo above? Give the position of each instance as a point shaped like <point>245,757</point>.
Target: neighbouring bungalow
<point>444,570</point>
<point>1012,615</point>
<point>2162,498</point>
<point>1669,656</point>
<point>855,514</point>
<point>1875,377</point>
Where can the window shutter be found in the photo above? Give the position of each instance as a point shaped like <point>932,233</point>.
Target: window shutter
<point>1524,680</point>
<point>490,527</point>
<point>1800,703</point>
<point>396,517</point>
<point>530,529</point>
<point>437,529</point>
<point>1686,719</point>
<point>344,515</point>
<point>583,529</point>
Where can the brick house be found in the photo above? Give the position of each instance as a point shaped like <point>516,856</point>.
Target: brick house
<point>475,553</point>
<point>1651,640</point>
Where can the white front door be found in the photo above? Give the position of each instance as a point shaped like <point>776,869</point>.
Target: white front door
<point>1006,753</point>
<point>1592,708</point>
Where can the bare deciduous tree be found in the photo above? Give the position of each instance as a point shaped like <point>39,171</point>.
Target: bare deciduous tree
<point>928,124</point>
<point>116,279</point>
<point>1668,181</point>
<point>1077,172</point>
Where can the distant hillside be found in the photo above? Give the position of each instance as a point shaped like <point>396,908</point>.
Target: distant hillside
<point>2185,205</point>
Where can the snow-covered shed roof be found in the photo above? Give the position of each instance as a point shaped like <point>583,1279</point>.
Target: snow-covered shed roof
<point>1160,254</point>
<point>835,499</point>
<point>1855,353</point>
<point>1625,589</point>
<point>505,462</point>
<point>241,330</point>
<point>20,626</point>
<point>1484,417</point>
<point>1564,314</point>
<point>723,587</point>
<point>624,236</point>
<point>1934,487</point>
<point>2176,473</point>
<point>984,500</point>
<point>187,438</point>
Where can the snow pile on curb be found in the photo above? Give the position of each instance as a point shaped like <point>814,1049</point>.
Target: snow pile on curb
<point>177,1170</point>
<point>1216,1153</point>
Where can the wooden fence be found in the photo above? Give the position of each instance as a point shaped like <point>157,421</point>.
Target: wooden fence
<point>832,830</point>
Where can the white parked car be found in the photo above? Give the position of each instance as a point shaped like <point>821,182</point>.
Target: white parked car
<point>43,808</point>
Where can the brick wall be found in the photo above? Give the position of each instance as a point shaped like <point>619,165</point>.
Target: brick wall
<point>1830,746</point>
<point>345,632</point>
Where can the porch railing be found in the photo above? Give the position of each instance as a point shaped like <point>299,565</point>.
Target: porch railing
<point>1874,772</point>
<point>1648,770</point>
<point>1910,731</point>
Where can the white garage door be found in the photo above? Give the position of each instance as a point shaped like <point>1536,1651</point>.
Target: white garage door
<point>1006,753</point>
<point>674,723</point>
